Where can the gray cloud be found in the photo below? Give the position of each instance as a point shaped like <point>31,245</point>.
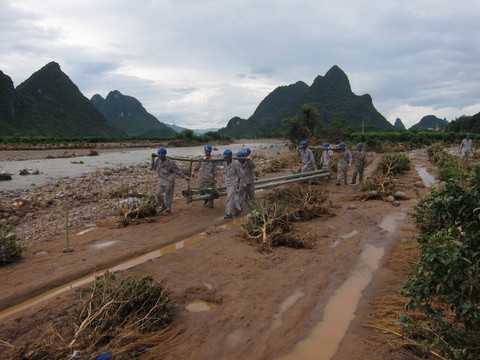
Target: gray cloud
<point>201,62</point>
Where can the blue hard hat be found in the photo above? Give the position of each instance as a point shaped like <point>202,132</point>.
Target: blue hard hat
<point>342,145</point>
<point>304,143</point>
<point>247,151</point>
<point>241,154</point>
<point>207,148</point>
<point>326,145</point>
<point>359,144</point>
<point>227,153</point>
<point>162,151</point>
<point>469,135</point>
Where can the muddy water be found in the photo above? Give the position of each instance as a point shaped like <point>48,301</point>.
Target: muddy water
<point>52,169</point>
<point>427,178</point>
<point>339,311</point>
<point>123,266</point>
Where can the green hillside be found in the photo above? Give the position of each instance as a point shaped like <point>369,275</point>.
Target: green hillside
<point>465,124</point>
<point>331,95</point>
<point>8,107</point>
<point>50,104</point>
<point>128,114</point>
<point>429,123</point>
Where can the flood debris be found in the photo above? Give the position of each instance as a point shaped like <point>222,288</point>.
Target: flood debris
<point>127,318</point>
<point>381,184</point>
<point>269,225</point>
<point>134,208</point>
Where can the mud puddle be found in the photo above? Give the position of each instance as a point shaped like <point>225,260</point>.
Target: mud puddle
<point>286,304</point>
<point>123,266</point>
<point>199,306</point>
<point>427,178</point>
<point>339,311</point>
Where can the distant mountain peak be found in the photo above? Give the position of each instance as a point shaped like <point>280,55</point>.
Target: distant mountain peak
<point>128,114</point>
<point>399,124</point>
<point>334,80</point>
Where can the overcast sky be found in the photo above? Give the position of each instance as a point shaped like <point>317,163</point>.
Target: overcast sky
<point>198,63</point>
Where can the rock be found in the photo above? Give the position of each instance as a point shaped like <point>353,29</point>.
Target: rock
<point>351,207</point>
<point>390,199</point>
<point>396,203</point>
<point>419,184</point>
<point>13,220</point>
<point>400,195</point>
<point>210,229</point>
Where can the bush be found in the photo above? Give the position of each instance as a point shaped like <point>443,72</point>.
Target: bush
<point>5,176</point>
<point>444,285</point>
<point>10,250</point>
<point>449,166</point>
<point>394,163</point>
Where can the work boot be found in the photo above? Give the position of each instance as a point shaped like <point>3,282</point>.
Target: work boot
<point>162,208</point>
<point>338,183</point>
<point>228,217</point>
<point>168,212</point>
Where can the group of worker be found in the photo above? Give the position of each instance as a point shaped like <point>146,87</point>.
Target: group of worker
<point>239,176</point>
<point>240,173</point>
<point>345,159</point>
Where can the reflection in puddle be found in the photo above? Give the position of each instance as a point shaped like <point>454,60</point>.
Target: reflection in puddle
<point>199,305</point>
<point>286,304</point>
<point>339,311</point>
<point>389,222</point>
<point>85,231</point>
<point>427,178</point>
<point>103,245</point>
<point>343,237</point>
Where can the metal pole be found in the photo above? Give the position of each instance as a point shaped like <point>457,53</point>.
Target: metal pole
<point>265,186</point>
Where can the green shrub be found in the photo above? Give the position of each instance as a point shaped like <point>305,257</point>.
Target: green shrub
<point>449,166</point>
<point>10,249</point>
<point>394,163</point>
<point>5,176</point>
<point>444,285</point>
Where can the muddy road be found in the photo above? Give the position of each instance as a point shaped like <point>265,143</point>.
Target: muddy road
<point>233,302</point>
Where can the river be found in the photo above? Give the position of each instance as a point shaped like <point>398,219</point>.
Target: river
<point>53,169</point>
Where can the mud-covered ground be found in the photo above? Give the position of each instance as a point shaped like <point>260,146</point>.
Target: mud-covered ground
<point>262,305</point>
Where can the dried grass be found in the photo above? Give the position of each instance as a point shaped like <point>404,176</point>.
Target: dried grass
<point>127,317</point>
<point>134,208</point>
<point>268,222</point>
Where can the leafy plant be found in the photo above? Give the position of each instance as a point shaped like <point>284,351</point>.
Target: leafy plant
<point>10,250</point>
<point>394,163</point>
<point>5,176</point>
<point>449,166</point>
<point>445,283</point>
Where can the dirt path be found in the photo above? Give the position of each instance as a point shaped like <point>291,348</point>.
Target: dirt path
<point>262,305</point>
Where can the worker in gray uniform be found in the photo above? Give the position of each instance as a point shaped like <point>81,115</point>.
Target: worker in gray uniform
<point>234,177</point>
<point>166,170</point>
<point>360,158</point>
<point>207,174</point>
<point>344,161</point>
<point>247,192</point>
<point>306,155</point>
<point>466,148</point>
<point>327,157</point>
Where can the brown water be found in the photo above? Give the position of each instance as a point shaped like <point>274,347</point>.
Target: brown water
<point>325,338</point>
